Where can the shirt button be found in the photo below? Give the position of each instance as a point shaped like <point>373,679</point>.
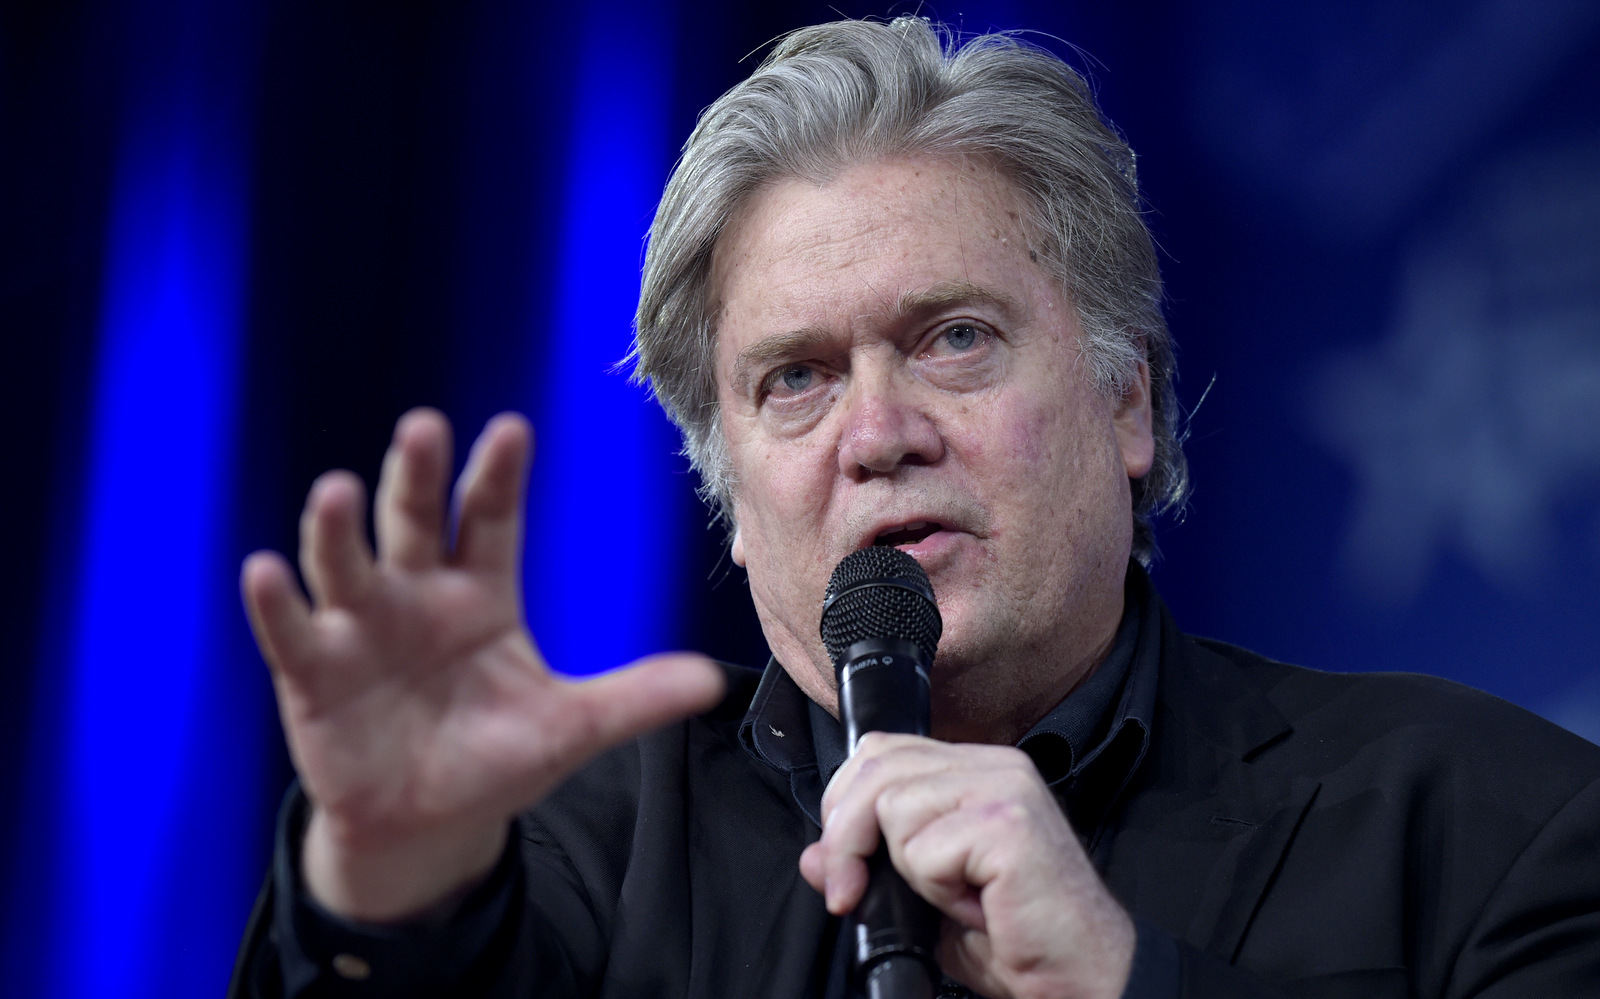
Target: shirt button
<point>351,967</point>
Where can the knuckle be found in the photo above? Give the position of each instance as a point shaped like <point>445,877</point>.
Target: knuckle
<point>1011,758</point>
<point>871,743</point>
<point>1006,812</point>
<point>1018,782</point>
<point>893,800</point>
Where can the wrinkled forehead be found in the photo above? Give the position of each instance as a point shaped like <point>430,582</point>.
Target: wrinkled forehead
<point>952,184</point>
<point>795,233</point>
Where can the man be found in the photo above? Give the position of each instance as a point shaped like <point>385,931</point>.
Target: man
<point>900,296</point>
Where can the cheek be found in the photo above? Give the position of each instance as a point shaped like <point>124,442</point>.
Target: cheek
<point>1048,464</point>
<point>778,481</point>
<point>1078,438</point>
<point>1032,441</point>
<point>778,506</point>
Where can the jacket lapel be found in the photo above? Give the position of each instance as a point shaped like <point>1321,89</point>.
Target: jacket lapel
<point>1205,831</point>
<point>1245,863</point>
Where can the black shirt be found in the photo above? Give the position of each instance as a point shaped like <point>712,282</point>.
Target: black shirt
<point>1288,832</point>
<point>1086,749</point>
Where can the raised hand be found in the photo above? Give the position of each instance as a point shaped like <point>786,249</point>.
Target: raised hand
<point>418,710</point>
<point>975,831</point>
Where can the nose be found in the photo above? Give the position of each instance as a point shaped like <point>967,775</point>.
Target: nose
<point>885,428</point>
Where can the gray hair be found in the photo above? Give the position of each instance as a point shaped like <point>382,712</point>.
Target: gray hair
<point>831,96</point>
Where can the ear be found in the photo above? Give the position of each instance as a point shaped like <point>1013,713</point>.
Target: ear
<point>1132,419</point>
<point>736,550</point>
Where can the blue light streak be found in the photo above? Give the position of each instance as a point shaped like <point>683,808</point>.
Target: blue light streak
<point>606,508</point>
<point>158,769</point>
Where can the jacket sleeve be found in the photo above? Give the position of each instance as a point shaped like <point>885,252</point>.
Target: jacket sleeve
<point>1539,934</point>
<point>1167,968</point>
<point>494,945</point>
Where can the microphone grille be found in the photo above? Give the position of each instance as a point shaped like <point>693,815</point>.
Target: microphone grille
<point>880,592</point>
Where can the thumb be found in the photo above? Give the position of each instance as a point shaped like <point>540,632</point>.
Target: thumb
<point>647,694</point>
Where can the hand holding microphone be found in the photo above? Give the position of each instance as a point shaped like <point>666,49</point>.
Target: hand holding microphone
<point>1017,908</point>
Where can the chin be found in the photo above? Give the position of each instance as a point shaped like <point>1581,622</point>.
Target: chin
<point>957,662</point>
<point>973,633</point>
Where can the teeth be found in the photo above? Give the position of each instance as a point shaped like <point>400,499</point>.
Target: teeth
<point>913,526</point>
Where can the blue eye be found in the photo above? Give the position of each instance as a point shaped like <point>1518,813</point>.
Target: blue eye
<point>962,337</point>
<point>792,380</point>
<point>796,378</point>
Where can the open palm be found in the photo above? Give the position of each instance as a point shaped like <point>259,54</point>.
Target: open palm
<point>418,710</point>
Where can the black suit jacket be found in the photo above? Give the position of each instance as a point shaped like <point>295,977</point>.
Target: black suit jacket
<point>1289,832</point>
<point>1362,835</point>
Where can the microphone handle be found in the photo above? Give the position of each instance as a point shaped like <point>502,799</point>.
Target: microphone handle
<point>883,687</point>
<point>899,977</point>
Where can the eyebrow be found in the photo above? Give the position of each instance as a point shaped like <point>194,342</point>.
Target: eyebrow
<point>947,293</point>
<point>769,350</point>
<point>808,340</point>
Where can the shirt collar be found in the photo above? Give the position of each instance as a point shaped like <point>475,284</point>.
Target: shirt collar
<point>1075,726</point>
<point>777,728</point>
<point>1118,697</point>
<point>1100,730</point>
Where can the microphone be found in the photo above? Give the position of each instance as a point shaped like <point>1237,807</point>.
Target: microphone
<point>880,625</point>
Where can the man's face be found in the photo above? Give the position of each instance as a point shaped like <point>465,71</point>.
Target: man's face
<point>895,366</point>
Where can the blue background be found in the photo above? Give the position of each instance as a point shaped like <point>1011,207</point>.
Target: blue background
<point>237,240</point>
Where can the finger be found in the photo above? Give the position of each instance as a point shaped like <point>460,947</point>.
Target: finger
<point>850,833</point>
<point>841,892</point>
<point>849,812</point>
<point>490,496</point>
<point>929,824</point>
<point>966,955</point>
<point>849,839</point>
<point>811,868</point>
<point>1003,795</point>
<point>334,556</point>
<point>645,695</point>
<point>279,616</point>
<point>410,509</point>
<point>893,786</point>
<point>882,760</point>
<point>941,861</point>
<point>872,746</point>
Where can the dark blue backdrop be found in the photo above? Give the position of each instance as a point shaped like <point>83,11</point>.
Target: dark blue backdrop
<point>240,239</point>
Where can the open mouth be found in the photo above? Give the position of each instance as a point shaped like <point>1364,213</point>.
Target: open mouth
<point>907,534</point>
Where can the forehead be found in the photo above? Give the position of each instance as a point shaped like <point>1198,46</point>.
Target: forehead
<point>852,249</point>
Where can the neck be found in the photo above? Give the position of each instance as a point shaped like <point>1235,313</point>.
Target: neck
<point>997,705</point>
